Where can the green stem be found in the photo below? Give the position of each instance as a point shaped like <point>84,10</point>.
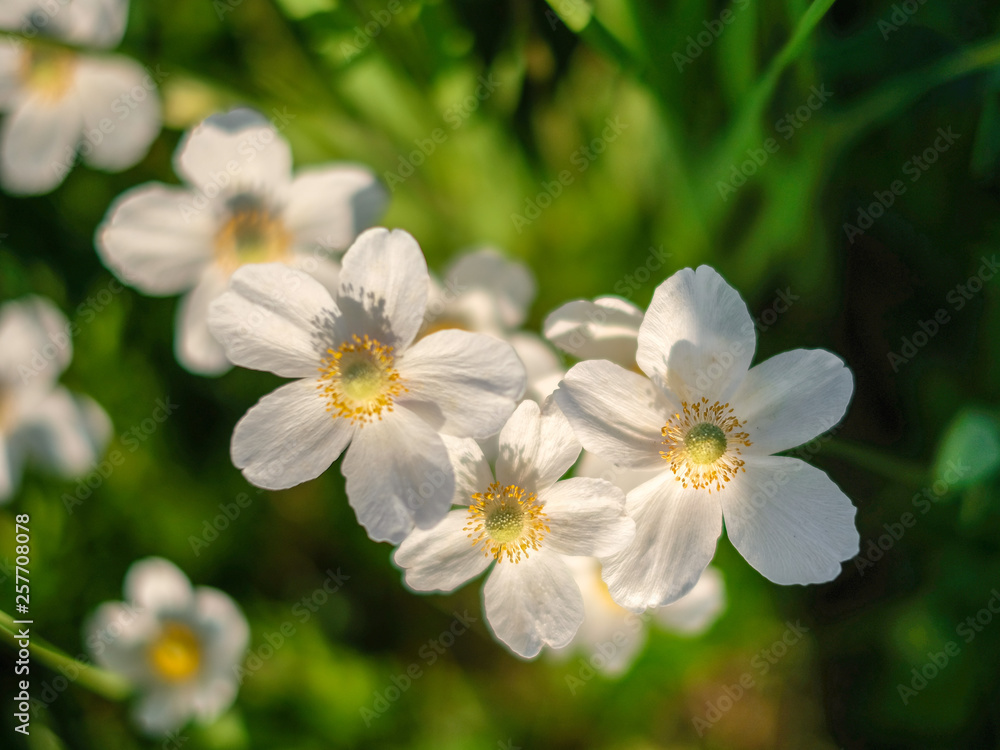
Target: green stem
<point>96,680</point>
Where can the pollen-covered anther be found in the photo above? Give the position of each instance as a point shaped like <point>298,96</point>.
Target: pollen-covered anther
<point>506,521</point>
<point>251,233</point>
<point>175,654</point>
<point>358,379</point>
<point>703,444</point>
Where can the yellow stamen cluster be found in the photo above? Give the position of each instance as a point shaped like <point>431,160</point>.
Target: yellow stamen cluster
<point>47,71</point>
<point>359,380</point>
<point>703,444</point>
<point>506,521</point>
<point>251,234</point>
<point>176,653</point>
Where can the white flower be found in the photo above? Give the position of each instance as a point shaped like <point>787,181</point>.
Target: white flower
<point>60,101</point>
<point>40,419</point>
<point>486,292</point>
<point>710,424</point>
<point>526,522</point>
<point>179,647</point>
<point>362,382</point>
<point>612,636</point>
<point>607,328</point>
<point>242,206</point>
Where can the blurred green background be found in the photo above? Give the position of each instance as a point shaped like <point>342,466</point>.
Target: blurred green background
<point>889,79</point>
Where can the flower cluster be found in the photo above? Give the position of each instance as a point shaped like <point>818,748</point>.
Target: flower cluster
<point>458,431</point>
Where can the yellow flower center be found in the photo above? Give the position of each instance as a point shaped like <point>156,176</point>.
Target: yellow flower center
<point>176,653</point>
<point>251,234</point>
<point>359,380</point>
<point>47,71</point>
<point>703,444</point>
<point>506,521</point>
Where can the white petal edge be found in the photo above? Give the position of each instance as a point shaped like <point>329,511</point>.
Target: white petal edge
<point>441,558</point>
<point>537,446</point>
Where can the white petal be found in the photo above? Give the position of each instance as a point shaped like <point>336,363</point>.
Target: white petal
<point>289,437</point>
<point>65,433</point>
<point>607,328</point>
<point>158,585</point>
<point>224,628</point>
<point>461,383</point>
<point>698,325</point>
<point>537,446</point>
<point>592,465</point>
<point>383,280</point>
<point>91,23</point>
<point>195,346</point>
<point>509,284</point>
<point>239,151</point>
<point>155,239</point>
<point>586,517</point>
<point>38,143</point>
<point>322,268</point>
<point>533,603</point>
<point>11,59</point>
<point>541,364</point>
<point>35,341</point>
<point>326,208</point>
<point>118,634</point>
<point>441,558</point>
<point>121,111</point>
<point>162,710</point>
<point>676,530</point>
<point>697,609</point>
<point>793,397</point>
<point>789,520</point>
<point>472,470</point>
<point>274,318</point>
<point>398,475</point>
<point>11,466</point>
<point>615,413</point>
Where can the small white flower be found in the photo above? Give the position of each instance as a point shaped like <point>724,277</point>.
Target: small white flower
<point>179,647</point>
<point>59,101</point>
<point>710,424</point>
<point>242,206</point>
<point>362,382</point>
<point>486,292</point>
<point>524,522</point>
<point>40,419</point>
<point>612,636</point>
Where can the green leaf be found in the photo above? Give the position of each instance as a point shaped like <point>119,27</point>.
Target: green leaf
<point>970,451</point>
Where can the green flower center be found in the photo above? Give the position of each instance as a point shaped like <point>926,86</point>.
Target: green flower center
<point>705,443</point>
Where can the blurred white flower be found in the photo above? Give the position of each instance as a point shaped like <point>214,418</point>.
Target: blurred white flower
<point>710,424</point>
<point>179,647</point>
<point>362,383</point>
<point>60,101</point>
<point>242,206</point>
<point>607,328</point>
<point>611,636</point>
<point>525,523</point>
<point>486,292</point>
<point>39,419</point>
